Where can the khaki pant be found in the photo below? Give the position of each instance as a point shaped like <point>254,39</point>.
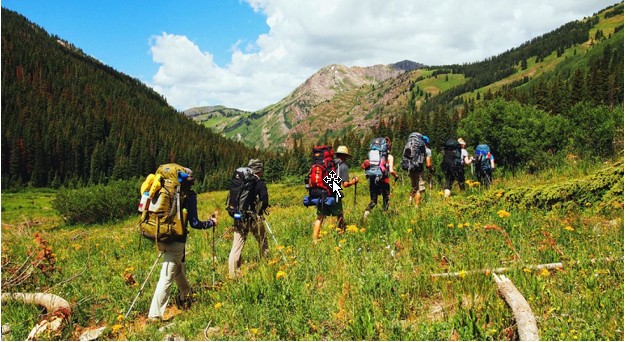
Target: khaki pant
<point>173,269</point>
<point>241,230</point>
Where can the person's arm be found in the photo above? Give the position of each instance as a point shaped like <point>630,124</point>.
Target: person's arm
<point>193,219</point>
<point>261,191</point>
<point>391,166</point>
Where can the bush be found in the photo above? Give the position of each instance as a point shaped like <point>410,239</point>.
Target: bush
<point>99,203</point>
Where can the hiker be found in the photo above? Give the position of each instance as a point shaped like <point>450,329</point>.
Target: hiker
<point>173,266</point>
<point>465,161</point>
<point>336,209</point>
<point>484,164</point>
<point>454,160</point>
<point>417,176</point>
<point>379,184</point>
<point>251,220</point>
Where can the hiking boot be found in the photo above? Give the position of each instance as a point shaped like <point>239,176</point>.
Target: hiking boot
<point>183,304</point>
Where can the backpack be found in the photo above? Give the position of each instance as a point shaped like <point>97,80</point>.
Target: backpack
<point>413,153</point>
<point>378,157</point>
<point>241,184</point>
<point>163,217</point>
<point>483,157</point>
<point>322,165</point>
<point>452,159</point>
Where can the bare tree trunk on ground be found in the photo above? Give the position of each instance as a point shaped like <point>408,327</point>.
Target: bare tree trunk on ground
<point>526,323</point>
<point>58,311</point>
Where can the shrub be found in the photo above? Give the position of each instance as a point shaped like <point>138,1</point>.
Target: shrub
<point>99,203</point>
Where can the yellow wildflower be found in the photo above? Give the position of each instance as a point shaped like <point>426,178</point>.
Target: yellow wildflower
<point>527,270</point>
<point>272,262</point>
<point>288,250</point>
<point>337,248</point>
<point>342,242</point>
<point>120,318</point>
<point>363,230</point>
<point>254,331</point>
<point>409,230</point>
<point>451,225</point>
<point>219,305</point>
<point>544,272</point>
<point>460,225</point>
<point>279,247</point>
<point>461,274</point>
<point>569,228</point>
<point>116,327</point>
<point>280,275</point>
<point>499,194</point>
<point>352,229</point>
<point>503,213</point>
<point>467,224</point>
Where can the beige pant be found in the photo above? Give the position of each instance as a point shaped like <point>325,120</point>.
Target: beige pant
<point>241,230</point>
<point>173,269</point>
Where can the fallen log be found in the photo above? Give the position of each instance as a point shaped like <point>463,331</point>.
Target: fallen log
<point>488,271</point>
<point>552,266</point>
<point>58,311</point>
<point>526,322</point>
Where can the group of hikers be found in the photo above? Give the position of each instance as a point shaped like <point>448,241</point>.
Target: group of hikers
<point>248,200</point>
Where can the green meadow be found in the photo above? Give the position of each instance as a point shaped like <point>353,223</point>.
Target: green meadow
<point>376,281</point>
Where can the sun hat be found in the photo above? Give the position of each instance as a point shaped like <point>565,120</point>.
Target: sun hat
<point>461,141</point>
<point>256,165</point>
<point>342,150</point>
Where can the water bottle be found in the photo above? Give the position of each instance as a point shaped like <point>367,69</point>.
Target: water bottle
<point>144,201</point>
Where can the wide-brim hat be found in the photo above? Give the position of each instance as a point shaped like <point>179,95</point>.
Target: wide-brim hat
<point>256,165</point>
<point>461,141</point>
<point>342,150</point>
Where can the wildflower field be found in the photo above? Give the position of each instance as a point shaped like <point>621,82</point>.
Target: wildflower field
<point>407,274</point>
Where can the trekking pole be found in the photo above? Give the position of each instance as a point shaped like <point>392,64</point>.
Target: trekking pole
<point>214,215</point>
<point>355,196</point>
<point>274,237</point>
<point>143,284</point>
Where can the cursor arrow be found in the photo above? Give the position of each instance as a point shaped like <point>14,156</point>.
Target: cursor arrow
<point>336,189</point>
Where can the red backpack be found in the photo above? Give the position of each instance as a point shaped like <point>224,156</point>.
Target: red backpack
<point>322,165</point>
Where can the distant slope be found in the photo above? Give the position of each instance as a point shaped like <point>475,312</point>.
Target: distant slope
<point>326,107</point>
<point>69,119</point>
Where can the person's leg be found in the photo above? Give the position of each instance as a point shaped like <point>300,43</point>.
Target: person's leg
<point>460,176</point>
<point>421,188</point>
<point>374,194</point>
<point>414,180</point>
<point>171,265</point>
<point>385,192</point>
<point>258,229</point>
<point>449,180</point>
<point>234,260</point>
<point>317,225</point>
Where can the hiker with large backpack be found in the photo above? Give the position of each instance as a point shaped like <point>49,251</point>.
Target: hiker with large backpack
<point>454,159</point>
<point>484,163</point>
<point>379,167</point>
<point>168,206</point>
<point>247,203</point>
<point>416,155</point>
<point>335,208</point>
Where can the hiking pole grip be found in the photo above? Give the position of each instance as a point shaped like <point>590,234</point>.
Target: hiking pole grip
<point>143,284</point>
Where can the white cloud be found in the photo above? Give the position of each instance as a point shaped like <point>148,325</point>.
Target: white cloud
<point>305,36</point>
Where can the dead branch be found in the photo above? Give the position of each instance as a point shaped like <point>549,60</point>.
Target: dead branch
<point>487,271</point>
<point>58,311</point>
<point>526,322</point>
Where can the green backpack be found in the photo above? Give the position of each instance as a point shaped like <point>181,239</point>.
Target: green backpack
<point>163,217</point>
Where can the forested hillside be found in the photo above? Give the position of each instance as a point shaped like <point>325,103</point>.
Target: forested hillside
<point>69,119</point>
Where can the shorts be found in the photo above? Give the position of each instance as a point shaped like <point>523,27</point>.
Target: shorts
<point>330,210</point>
<point>418,183</point>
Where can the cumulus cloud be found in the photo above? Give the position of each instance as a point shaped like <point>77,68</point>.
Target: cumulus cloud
<point>305,36</point>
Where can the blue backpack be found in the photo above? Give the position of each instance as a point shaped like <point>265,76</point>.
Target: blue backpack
<point>378,157</point>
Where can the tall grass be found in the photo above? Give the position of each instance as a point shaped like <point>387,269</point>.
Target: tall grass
<point>372,282</point>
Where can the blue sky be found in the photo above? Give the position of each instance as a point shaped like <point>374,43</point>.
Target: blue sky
<point>251,53</point>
